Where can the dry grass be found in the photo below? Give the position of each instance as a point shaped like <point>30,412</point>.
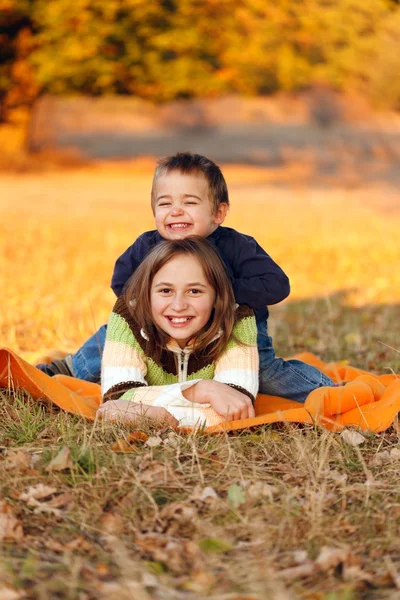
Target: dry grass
<point>140,525</point>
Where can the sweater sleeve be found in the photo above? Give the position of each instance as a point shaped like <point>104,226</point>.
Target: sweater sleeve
<point>257,279</point>
<point>238,365</point>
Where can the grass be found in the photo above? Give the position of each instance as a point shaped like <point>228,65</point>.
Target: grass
<point>237,517</point>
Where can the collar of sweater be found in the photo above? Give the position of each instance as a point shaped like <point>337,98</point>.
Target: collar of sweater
<point>174,347</point>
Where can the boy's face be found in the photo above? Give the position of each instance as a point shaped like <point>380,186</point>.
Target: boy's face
<point>183,206</point>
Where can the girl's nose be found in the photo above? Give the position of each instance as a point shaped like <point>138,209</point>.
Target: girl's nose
<point>179,302</point>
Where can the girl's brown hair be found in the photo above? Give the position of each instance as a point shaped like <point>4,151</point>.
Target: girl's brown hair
<point>137,295</point>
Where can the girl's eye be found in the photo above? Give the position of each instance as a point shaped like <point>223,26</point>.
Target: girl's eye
<point>165,291</point>
<point>195,292</point>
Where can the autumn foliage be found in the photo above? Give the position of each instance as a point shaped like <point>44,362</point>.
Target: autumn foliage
<point>163,49</point>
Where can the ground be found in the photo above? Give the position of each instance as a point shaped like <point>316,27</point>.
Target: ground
<point>281,512</point>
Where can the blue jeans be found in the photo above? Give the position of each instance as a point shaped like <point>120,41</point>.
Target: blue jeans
<point>86,362</point>
<point>292,379</point>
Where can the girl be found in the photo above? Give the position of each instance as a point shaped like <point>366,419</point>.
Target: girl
<point>177,346</point>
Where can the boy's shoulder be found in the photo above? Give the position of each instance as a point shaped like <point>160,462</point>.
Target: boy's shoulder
<point>228,233</point>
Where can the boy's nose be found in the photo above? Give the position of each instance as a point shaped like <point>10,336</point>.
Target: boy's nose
<point>176,210</point>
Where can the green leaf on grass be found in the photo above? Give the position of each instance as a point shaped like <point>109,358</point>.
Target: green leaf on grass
<point>236,495</point>
<point>214,545</point>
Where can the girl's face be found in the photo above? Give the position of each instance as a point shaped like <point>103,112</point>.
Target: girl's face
<point>181,298</point>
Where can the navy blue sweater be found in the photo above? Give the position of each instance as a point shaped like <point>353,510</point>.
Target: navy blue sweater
<point>256,279</point>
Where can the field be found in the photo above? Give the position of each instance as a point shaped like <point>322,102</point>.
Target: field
<point>282,512</point>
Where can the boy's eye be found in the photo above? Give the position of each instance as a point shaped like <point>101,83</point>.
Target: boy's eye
<point>190,202</point>
<point>164,204</point>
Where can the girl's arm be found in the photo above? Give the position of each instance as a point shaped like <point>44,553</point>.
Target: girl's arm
<point>235,383</point>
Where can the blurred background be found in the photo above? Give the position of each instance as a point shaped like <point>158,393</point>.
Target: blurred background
<point>247,80</point>
<point>298,100</point>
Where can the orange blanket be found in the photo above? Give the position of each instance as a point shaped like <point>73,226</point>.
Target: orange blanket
<point>369,402</point>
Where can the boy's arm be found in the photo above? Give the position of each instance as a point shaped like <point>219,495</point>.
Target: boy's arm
<point>257,280</point>
<point>129,261</point>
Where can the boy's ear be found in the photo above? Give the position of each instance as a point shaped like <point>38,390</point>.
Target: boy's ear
<point>220,213</point>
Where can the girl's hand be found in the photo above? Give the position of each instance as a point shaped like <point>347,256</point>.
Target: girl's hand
<point>127,411</point>
<point>225,400</point>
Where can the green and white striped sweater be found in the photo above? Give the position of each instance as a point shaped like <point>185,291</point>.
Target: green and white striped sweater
<point>129,374</point>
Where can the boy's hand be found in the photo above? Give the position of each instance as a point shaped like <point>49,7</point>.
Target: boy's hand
<point>128,412</point>
<point>225,400</point>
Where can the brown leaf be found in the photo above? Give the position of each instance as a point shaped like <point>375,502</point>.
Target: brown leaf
<point>131,443</point>
<point>18,459</point>
<point>62,461</point>
<point>157,473</point>
<point>307,569</point>
<point>137,437</point>
<point>178,519</point>
<point>61,501</point>
<point>8,593</point>
<point>10,527</point>
<point>111,523</point>
<point>37,492</point>
<point>36,496</point>
<point>180,556</point>
<point>123,446</point>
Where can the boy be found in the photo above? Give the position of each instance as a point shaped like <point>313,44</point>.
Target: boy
<point>189,197</point>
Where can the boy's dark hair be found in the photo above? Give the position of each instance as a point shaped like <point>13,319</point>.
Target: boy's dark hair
<point>188,163</point>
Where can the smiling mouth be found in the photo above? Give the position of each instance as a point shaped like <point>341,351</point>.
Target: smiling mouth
<point>178,225</point>
<point>179,320</point>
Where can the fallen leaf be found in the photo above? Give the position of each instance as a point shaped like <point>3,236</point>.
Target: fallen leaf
<point>10,527</point>
<point>337,476</point>
<point>305,570</point>
<point>351,437</point>
<point>236,495</point>
<point>17,459</point>
<point>36,496</point>
<point>330,558</point>
<point>354,573</point>
<point>380,458</point>
<point>8,593</point>
<point>179,555</point>
<point>61,501</point>
<point>137,436</point>
<point>260,489</point>
<point>178,519</point>
<point>111,523</point>
<point>208,494</point>
<point>201,582</point>
<point>157,473</point>
<point>37,492</point>
<point>62,461</point>
<point>123,446</point>
<point>300,556</point>
<point>154,441</point>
